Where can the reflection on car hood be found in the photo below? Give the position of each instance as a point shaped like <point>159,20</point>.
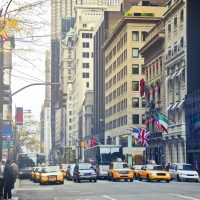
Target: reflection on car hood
<point>86,171</point>
<point>52,173</point>
<point>157,171</point>
<point>186,172</point>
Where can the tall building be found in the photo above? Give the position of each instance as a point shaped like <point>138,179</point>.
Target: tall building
<point>176,79</point>
<point>87,18</point>
<point>154,88</point>
<point>124,108</point>
<point>47,109</point>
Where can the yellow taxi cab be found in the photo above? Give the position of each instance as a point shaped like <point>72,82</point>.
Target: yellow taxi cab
<point>63,168</point>
<point>32,175</point>
<point>136,169</point>
<point>120,170</point>
<point>153,172</point>
<point>51,174</point>
<point>37,174</point>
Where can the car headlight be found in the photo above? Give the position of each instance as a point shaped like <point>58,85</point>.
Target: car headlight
<point>167,174</point>
<point>182,174</point>
<point>153,174</point>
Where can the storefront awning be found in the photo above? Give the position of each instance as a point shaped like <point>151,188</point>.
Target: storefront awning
<point>169,107</point>
<point>174,106</point>
<point>181,103</point>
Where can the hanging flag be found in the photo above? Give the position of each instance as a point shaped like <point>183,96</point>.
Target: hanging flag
<point>92,143</point>
<point>143,137</point>
<point>5,38</point>
<point>196,122</point>
<point>164,122</point>
<point>157,123</point>
<point>1,11</point>
<point>136,132</point>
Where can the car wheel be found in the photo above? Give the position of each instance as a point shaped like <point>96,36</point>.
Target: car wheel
<point>131,180</point>
<point>95,180</point>
<point>196,181</point>
<point>135,176</point>
<point>90,180</point>
<point>62,182</point>
<point>113,179</point>
<point>148,179</point>
<point>126,180</point>
<point>139,178</point>
<point>178,178</point>
<point>168,181</point>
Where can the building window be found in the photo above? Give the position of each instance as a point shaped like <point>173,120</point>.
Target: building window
<point>135,35</point>
<point>135,69</point>
<point>143,35</point>
<point>143,119</point>
<point>85,75</point>
<point>86,44</point>
<point>86,54</point>
<point>175,22</point>
<point>182,16</point>
<point>143,69</point>
<point>135,52</point>
<point>143,102</point>
<point>182,42</point>
<point>86,35</point>
<point>135,85</point>
<point>86,65</point>
<point>169,28</point>
<point>87,84</point>
<point>84,25</point>
<point>70,128</point>
<point>135,119</point>
<point>135,102</point>
<point>70,112</point>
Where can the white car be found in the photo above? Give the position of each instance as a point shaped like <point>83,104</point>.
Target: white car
<point>183,171</point>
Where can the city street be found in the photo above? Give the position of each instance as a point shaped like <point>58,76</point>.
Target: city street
<point>105,190</point>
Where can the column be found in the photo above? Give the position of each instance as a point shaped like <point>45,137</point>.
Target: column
<point>130,146</point>
<point>117,140</point>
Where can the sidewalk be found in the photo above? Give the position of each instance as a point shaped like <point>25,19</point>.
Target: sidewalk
<point>14,192</point>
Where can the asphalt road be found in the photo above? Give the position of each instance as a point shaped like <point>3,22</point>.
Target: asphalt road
<point>105,190</point>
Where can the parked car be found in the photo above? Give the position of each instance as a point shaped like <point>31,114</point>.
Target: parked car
<point>70,171</point>
<point>25,173</point>
<point>136,169</point>
<point>183,171</point>
<point>51,175</point>
<point>102,171</point>
<point>63,168</point>
<point>153,172</point>
<point>120,170</point>
<point>84,171</point>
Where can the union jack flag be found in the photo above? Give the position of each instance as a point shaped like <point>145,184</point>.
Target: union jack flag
<point>143,137</point>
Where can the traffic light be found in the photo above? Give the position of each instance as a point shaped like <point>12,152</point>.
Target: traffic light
<point>12,150</point>
<point>83,144</point>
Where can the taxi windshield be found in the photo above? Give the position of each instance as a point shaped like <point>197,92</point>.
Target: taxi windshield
<point>157,167</point>
<point>137,166</point>
<point>120,165</point>
<point>52,169</point>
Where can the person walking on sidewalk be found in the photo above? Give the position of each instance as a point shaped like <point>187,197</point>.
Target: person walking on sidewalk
<point>2,166</point>
<point>9,178</point>
<point>15,168</point>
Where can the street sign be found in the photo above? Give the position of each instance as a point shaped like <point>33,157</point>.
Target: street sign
<point>5,144</point>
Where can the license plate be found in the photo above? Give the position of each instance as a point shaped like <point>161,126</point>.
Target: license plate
<point>52,179</point>
<point>87,174</point>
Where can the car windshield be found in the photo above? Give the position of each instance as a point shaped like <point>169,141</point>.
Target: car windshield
<point>185,167</point>
<point>152,167</point>
<point>120,166</point>
<point>84,166</point>
<point>137,166</point>
<point>51,169</point>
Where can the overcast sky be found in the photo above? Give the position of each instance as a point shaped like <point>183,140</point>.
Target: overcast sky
<point>29,54</point>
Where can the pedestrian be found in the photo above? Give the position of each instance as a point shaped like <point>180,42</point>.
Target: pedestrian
<point>2,166</point>
<point>167,166</point>
<point>15,168</point>
<point>9,180</point>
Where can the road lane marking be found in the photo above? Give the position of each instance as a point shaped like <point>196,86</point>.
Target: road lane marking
<point>82,193</point>
<point>19,189</point>
<point>183,196</point>
<point>105,196</point>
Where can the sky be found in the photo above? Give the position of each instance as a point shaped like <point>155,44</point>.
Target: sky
<point>31,43</point>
